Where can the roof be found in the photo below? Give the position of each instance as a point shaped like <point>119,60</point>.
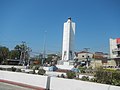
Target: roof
<point>83,52</point>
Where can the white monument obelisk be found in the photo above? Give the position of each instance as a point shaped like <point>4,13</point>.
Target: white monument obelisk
<point>68,40</point>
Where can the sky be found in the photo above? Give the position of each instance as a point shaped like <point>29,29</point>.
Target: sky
<point>36,21</point>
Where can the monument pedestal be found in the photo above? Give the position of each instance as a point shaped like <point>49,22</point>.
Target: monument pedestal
<point>65,64</point>
<point>68,63</point>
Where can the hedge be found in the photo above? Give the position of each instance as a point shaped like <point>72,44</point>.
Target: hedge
<point>105,76</point>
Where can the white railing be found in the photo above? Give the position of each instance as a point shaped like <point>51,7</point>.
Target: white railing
<point>70,84</point>
<point>9,66</point>
<point>29,79</point>
<point>53,83</point>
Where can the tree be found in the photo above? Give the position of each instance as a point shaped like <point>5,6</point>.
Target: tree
<point>14,54</point>
<point>52,58</point>
<point>4,53</point>
<point>22,51</point>
<point>17,47</point>
<point>48,59</point>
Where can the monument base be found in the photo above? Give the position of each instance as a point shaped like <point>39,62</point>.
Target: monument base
<point>66,62</point>
<point>62,64</point>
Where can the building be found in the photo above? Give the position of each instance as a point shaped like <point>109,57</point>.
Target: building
<point>84,58</point>
<point>101,56</point>
<point>68,40</point>
<point>83,55</point>
<point>96,59</point>
<point>115,50</point>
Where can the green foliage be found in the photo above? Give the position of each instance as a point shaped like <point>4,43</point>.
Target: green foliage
<point>22,47</point>
<point>14,54</point>
<point>13,69</point>
<point>52,57</point>
<point>82,69</point>
<point>48,59</point>
<point>4,52</point>
<point>108,76</point>
<point>9,69</point>
<point>93,80</point>
<point>35,67</point>
<point>41,72</point>
<point>71,74</point>
<point>1,68</point>
<point>85,78</point>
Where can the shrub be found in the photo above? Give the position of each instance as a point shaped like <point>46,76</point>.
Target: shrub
<point>71,74</point>
<point>36,67</point>
<point>41,72</point>
<point>108,76</point>
<point>1,68</point>
<point>13,69</point>
<point>9,69</point>
<point>4,69</point>
<point>93,80</point>
<point>85,78</point>
<point>18,70</point>
<point>82,69</point>
<point>62,76</point>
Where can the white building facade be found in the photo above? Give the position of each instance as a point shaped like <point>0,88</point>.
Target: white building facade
<point>114,48</point>
<point>68,40</point>
<point>83,55</point>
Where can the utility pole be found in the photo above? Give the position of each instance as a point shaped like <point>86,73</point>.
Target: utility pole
<point>29,50</point>
<point>87,61</point>
<point>44,47</point>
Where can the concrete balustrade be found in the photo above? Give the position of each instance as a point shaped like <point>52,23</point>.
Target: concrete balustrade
<point>29,79</point>
<point>9,66</point>
<point>70,84</point>
<point>53,83</point>
<point>114,88</point>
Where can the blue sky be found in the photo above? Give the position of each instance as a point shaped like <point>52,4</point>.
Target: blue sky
<point>27,20</point>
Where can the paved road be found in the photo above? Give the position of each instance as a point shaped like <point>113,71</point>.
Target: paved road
<point>5,86</point>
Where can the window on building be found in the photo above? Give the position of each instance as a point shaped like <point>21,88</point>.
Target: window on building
<point>118,46</point>
<point>114,53</point>
<point>82,55</point>
<point>118,53</point>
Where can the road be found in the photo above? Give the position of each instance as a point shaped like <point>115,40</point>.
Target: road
<point>6,86</point>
